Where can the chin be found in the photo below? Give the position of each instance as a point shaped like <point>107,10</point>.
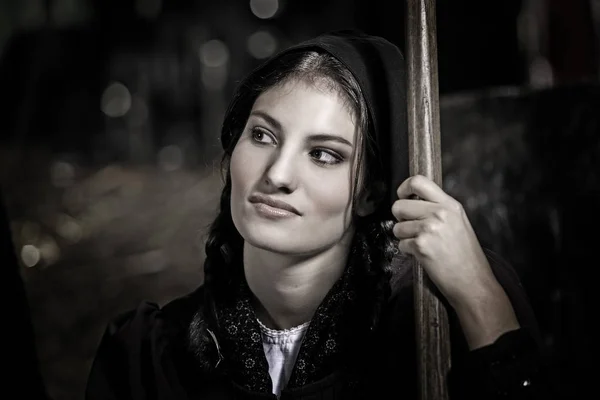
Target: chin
<point>274,240</point>
<point>289,243</point>
<point>274,248</point>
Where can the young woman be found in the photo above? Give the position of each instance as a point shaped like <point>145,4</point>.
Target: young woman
<point>307,292</point>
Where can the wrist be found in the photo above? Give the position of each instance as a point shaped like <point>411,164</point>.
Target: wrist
<point>485,316</point>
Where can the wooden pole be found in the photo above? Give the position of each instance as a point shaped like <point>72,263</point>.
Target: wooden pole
<point>432,333</point>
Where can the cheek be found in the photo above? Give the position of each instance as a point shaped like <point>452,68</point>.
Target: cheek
<point>239,172</point>
<point>332,195</point>
<point>246,168</point>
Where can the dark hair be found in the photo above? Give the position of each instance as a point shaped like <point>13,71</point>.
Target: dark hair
<point>373,238</point>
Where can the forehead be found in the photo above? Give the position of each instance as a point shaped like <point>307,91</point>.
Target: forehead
<point>312,102</point>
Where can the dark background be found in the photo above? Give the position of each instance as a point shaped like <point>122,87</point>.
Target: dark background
<point>109,153</point>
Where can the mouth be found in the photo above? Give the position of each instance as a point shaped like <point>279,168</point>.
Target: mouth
<point>273,203</point>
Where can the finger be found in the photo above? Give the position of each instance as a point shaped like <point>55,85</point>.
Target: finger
<point>413,209</point>
<point>407,229</point>
<point>422,187</point>
<point>407,246</point>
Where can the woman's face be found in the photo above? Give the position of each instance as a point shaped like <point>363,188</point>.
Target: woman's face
<point>297,147</point>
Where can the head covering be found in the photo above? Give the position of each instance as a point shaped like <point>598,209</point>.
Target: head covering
<point>378,66</point>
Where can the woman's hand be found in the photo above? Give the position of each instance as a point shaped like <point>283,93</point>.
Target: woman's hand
<point>436,230</point>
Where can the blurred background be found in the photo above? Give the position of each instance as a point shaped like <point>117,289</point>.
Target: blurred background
<point>109,155</point>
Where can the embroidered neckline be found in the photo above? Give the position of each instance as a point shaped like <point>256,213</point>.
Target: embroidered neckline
<point>282,332</point>
<point>328,344</point>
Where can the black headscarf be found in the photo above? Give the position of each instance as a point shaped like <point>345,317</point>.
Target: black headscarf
<point>378,66</point>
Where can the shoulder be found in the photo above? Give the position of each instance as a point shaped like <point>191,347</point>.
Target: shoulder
<point>144,347</point>
<point>148,319</point>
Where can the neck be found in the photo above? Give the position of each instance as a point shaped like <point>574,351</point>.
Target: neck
<point>288,289</point>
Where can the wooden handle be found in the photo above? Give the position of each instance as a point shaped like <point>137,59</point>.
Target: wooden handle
<point>433,341</point>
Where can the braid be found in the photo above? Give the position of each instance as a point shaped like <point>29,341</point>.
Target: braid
<point>223,250</point>
<point>377,248</point>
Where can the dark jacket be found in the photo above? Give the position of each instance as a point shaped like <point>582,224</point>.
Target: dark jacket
<point>146,354</point>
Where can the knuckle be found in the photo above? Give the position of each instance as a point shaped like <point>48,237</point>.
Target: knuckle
<point>420,244</point>
<point>415,182</point>
<point>430,227</point>
<point>457,207</point>
<point>441,214</point>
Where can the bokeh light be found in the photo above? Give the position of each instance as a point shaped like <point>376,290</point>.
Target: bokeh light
<point>116,100</point>
<point>49,250</point>
<point>214,56</point>
<point>262,44</point>
<point>62,174</point>
<point>264,9</point>
<point>68,228</point>
<point>170,158</point>
<point>214,53</point>
<point>30,255</point>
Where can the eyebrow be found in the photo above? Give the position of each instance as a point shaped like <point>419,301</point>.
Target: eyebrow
<point>322,137</point>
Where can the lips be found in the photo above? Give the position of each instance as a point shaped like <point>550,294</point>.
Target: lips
<point>260,198</point>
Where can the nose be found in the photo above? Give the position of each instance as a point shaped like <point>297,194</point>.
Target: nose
<point>282,170</point>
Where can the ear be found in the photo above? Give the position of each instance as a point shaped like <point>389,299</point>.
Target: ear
<point>370,199</point>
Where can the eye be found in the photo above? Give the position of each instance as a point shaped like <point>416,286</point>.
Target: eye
<point>260,135</point>
<point>326,157</point>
